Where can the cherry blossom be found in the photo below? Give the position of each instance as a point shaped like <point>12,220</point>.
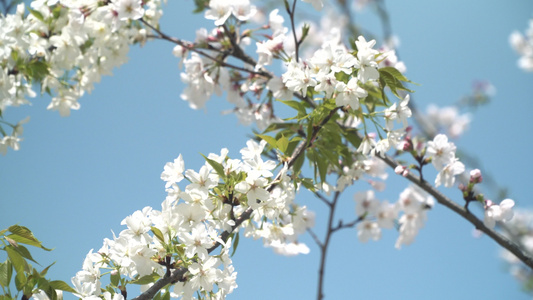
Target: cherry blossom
<point>494,212</point>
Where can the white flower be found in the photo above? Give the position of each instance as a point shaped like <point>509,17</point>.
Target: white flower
<point>298,77</point>
<point>9,141</point>
<point>279,90</point>
<point>173,171</point>
<point>253,188</point>
<point>399,112</point>
<point>197,241</point>
<point>349,94</point>
<point>267,49</point>
<point>64,102</point>
<point>502,212</point>
<point>219,10</point>
<point>128,9</point>
<point>366,62</point>
<point>276,23</point>
<point>409,226</point>
<point>205,274</point>
<point>443,152</point>
<point>366,202</point>
<point>386,215</point>
<point>413,199</point>
<point>447,175</point>
<point>524,46</point>
<point>368,230</point>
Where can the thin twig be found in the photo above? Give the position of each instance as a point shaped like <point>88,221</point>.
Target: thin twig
<point>324,248</point>
<point>291,16</point>
<point>324,199</point>
<point>342,225</point>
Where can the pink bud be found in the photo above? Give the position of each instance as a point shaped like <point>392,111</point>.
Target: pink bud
<point>475,176</point>
<point>488,203</point>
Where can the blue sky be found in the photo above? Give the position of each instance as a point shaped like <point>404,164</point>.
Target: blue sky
<point>76,178</point>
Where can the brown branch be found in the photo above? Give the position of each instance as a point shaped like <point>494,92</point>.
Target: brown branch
<point>461,211</point>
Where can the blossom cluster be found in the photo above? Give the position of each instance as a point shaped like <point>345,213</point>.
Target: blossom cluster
<point>413,204</point>
<point>190,226</point>
<point>66,46</point>
<point>523,45</point>
<point>444,160</point>
<point>205,76</point>
<point>320,72</point>
<point>448,120</point>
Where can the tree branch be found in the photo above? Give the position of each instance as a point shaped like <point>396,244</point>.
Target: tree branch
<point>460,210</point>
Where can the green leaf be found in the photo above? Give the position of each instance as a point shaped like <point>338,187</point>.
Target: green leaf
<point>15,56</point>
<point>158,234</point>
<point>235,243</point>
<point>295,141</point>
<point>392,80</point>
<point>282,144</point>
<point>218,167</point>
<point>23,235</point>
<point>45,270</point>
<point>166,296</point>
<point>276,126</point>
<point>297,166</point>
<point>298,106</point>
<point>36,14</point>
<point>305,32</point>
<point>395,73</point>
<point>5,276</point>
<point>146,279</point>
<point>200,6</point>
<point>62,286</point>
<point>322,168</point>
<point>20,281</point>
<point>270,140</point>
<point>25,253</point>
<point>16,259</point>
<point>37,70</point>
<point>308,184</point>
<point>51,293</point>
<point>389,81</point>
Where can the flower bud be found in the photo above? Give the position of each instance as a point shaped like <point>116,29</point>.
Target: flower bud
<point>475,176</point>
<point>488,203</point>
